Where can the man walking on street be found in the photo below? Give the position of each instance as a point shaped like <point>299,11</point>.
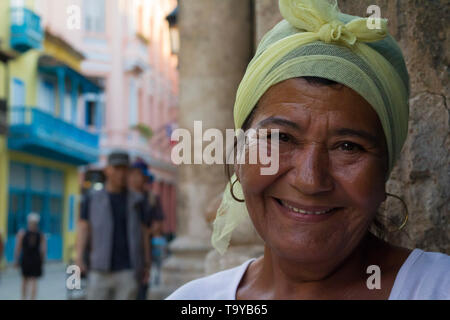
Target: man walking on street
<point>111,221</point>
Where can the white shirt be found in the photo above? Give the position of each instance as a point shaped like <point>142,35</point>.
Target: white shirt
<point>423,276</point>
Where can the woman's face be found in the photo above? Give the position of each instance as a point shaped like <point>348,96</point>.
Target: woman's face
<point>332,156</point>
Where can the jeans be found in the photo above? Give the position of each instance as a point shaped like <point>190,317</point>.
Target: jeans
<point>120,285</point>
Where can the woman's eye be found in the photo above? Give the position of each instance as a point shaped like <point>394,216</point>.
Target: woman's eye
<point>350,147</point>
<point>284,137</point>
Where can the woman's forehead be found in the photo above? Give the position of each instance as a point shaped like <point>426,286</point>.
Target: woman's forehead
<point>300,101</point>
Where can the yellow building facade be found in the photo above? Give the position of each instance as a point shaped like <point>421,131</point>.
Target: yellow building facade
<point>46,141</point>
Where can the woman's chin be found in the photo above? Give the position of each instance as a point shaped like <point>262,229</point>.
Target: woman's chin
<point>305,250</point>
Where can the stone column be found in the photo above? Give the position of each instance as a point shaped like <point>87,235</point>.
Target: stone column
<point>267,15</point>
<point>216,39</point>
<point>245,242</point>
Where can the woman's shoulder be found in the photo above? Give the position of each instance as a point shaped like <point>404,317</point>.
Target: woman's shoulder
<point>218,286</point>
<point>424,275</point>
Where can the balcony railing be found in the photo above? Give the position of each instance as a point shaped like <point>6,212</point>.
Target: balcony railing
<point>35,131</point>
<point>26,30</point>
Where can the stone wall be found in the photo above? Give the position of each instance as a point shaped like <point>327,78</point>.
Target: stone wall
<point>422,175</point>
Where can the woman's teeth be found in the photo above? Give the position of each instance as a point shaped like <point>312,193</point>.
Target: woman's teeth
<point>303,211</point>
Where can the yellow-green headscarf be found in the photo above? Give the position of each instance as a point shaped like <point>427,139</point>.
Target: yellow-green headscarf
<point>316,39</point>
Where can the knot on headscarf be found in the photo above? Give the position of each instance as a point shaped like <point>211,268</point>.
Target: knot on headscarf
<point>321,17</point>
<point>335,31</point>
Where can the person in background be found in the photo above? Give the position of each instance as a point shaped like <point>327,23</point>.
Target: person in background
<point>30,253</point>
<point>157,213</point>
<point>141,180</point>
<point>159,241</point>
<point>159,252</point>
<point>137,180</point>
<point>111,219</point>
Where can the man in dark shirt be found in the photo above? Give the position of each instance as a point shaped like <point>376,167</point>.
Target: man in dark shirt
<point>113,218</point>
<point>120,259</point>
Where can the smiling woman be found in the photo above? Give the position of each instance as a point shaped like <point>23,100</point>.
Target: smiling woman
<point>337,93</point>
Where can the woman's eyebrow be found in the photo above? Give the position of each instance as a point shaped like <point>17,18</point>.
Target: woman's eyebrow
<point>338,132</point>
<point>278,121</point>
<point>357,133</point>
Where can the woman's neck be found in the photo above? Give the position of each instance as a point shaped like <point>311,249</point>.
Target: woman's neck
<point>319,280</point>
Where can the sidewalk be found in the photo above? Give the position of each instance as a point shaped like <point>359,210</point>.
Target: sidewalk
<point>52,286</point>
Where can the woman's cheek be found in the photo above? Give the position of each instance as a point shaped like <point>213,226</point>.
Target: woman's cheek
<point>252,179</point>
<point>363,182</point>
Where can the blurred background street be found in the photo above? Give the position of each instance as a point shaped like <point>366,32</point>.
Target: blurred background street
<point>80,80</point>
<point>52,286</point>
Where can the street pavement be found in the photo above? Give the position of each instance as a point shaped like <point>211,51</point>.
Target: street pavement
<point>51,286</point>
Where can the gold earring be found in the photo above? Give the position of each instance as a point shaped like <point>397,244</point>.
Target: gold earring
<point>232,193</point>
<point>406,209</point>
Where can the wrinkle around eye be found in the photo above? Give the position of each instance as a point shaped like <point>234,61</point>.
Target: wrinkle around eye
<point>357,146</point>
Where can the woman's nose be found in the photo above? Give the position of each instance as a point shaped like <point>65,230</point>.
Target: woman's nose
<point>311,170</point>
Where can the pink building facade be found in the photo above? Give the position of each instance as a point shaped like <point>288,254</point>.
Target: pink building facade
<point>128,52</point>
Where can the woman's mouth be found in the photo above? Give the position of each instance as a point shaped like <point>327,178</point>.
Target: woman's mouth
<point>306,212</point>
